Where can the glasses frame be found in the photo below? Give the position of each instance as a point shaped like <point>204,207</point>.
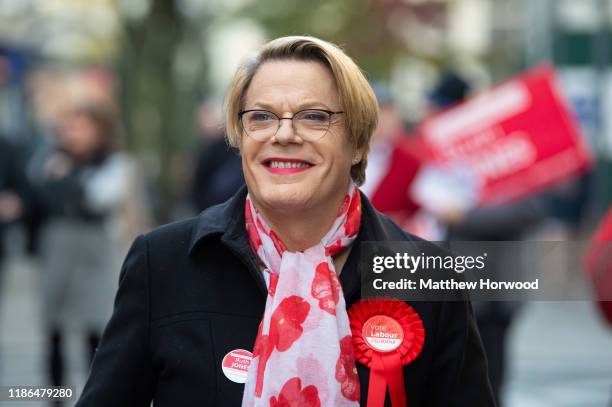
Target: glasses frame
<point>331,114</point>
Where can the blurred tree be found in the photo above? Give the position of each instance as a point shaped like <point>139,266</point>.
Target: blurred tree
<point>359,26</point>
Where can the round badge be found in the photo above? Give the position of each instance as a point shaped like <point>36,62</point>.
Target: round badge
<point>382,333</point>
<point>235,365</point>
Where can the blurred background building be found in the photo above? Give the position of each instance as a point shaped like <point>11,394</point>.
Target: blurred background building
<point>158,64</point>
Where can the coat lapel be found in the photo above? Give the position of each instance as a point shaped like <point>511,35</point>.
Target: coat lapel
<point>226,222</point>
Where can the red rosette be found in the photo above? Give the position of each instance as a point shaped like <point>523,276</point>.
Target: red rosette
<point>400,342</point>
<point>404,314</point>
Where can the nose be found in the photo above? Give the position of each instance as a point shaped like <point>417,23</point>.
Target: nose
<point>286,133</point>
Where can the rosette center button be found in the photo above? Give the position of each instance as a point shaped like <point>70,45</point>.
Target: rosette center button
<point>383,333</point>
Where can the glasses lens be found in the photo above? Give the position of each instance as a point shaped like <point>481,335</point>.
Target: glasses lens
<point>260,124</point>
<point>312,124</point>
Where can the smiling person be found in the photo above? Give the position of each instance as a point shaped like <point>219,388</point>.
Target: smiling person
<point>248,304</point>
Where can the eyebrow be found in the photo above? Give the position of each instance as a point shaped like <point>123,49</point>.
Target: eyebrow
<point>302,106</point>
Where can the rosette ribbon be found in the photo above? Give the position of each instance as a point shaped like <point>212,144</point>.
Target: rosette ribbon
<point>387,335</point>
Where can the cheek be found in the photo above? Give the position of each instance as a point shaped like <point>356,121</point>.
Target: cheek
<point>248,153</point>
<point>245,151</point>
<point>341,155</point>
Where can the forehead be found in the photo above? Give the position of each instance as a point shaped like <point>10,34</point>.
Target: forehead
<point>292,83</point>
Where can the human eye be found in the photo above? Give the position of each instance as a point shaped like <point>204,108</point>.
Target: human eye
<point>314,116</point>
<point>261,116</point>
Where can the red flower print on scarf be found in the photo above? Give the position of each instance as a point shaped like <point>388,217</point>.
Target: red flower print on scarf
<point>334,249</point>
<point>346,371</point>
<point>292,395</point>
<point>254,238</point>
<point>273,283</point>
<point>286,322</point>
<point>345,205</point>
<point>263,348</point>
<point>285,329</point>
<point>325,288</point>
<point>353,218</point>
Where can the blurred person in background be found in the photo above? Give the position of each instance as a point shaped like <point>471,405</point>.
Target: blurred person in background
<point>14,193</point>
<point>218,170</point>
<point>450,90</point>
<point>13,190</point>
<point>12,185</point>
<point>84,183</point>
<point>500,222</point>
<point>393,161</point>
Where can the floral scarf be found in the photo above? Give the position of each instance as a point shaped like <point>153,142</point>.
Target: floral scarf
<point>303,354</point>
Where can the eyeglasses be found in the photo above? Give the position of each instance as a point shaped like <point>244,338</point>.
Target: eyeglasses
<point>309,124</point>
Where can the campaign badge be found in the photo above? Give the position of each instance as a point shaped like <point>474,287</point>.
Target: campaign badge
<point>235,365</point>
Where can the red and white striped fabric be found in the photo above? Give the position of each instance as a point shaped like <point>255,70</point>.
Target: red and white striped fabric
<point>303,354</point>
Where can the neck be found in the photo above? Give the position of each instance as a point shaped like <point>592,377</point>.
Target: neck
<point>305,228</point>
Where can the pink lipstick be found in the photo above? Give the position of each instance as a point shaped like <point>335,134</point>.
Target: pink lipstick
<point>277,165</point>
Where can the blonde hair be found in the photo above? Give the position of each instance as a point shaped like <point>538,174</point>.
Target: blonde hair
<point>356,97</point>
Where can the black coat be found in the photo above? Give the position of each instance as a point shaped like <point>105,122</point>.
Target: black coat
<point>12,179</point>
<point>192,291</point>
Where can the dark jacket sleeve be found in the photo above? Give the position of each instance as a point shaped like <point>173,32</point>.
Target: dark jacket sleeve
<point>12,173</point>
<point>122,373</point>
<point>460,370</point>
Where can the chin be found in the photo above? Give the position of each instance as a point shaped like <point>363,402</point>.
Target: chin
<point>285,196</point>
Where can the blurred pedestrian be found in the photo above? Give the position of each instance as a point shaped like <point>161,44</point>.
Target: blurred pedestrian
<point>84,183</point>
<point>218,170</point>
<point>510,222</point>
<point>499,222</point>
<point>393,161</point>
<point>12,177</point>
<point>13,191</point>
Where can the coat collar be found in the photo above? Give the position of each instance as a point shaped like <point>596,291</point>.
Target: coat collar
<point>226,222</point>
<point>226,219</point>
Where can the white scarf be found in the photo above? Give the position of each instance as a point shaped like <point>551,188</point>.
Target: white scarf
<point>303,354</point>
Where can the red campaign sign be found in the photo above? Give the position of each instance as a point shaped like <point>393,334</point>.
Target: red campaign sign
<point>598,264</point>
<point>515,140</point>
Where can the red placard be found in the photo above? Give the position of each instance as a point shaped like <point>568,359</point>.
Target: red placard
<point>598,264</point>
<point>514,140</point>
